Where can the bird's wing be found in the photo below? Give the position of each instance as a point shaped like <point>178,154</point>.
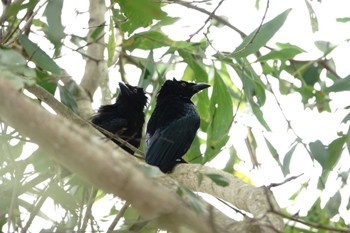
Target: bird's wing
<point>110,123</point>
<point>170,143</point>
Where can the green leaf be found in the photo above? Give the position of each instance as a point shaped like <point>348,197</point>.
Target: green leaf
<point>13,67</point>
<point>221,109</point>
<point>55,29</point>
<point>325,46</point>
<point>46,82</point>
<point>273,151</point>
<point>196,71</point>
<point>111,43</point>
<point>67,98</point>
<point>62,197</point>
<point>38,56</point>
<point>311,74</point>
<point>319,153</point>
<point>15,7</point>
<point>284,54</point>
<point>266,32</point>
<point>16,150</point>
<point>343,20</point>
<point>97,33</point>
<point>335,149</point>
<point>152,171</point>
<point>140,13</point>
<point>194,201</point>
<point>312,16</point>
<point>340,85</point>
<point>333,204</point>
<point>287,159</point>
<point>194,154</point>
<point>218,179</point>
<point>147,40</point>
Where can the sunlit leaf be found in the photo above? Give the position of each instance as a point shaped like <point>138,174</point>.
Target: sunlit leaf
<point>111,43</point>
<point>343,20</point>
<point>266,32</point>
<point>140,13</point>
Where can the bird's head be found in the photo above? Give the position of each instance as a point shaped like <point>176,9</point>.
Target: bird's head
<point>181,88</point>
<point>133,94</point>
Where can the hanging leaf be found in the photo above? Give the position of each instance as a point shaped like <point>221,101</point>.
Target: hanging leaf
<point>312,16</point>
<point>287,159</point>
<point>55,30</point>
<point>111,43</point>
<point>221,109</point>
<point>253,42</point>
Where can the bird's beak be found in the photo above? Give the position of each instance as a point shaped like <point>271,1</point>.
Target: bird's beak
<point>124,89</point>
<point>200,86</point>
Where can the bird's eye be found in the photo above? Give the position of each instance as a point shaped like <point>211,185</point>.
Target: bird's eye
<point>183,84</point>
<point>134,90</point>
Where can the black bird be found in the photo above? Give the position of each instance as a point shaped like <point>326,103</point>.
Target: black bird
<point>173,124</point>
<point>124,118</point>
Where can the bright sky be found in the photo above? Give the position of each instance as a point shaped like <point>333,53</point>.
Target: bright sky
<point>310,125</point>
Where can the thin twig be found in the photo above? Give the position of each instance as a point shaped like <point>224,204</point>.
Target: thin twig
<point>218,18</point>
<point>256,32</point>
<point>206,21</point>
<point>118,217</point>
<point>272,185</point>
<point>88,213</point>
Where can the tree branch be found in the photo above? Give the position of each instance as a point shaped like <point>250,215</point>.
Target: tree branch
<point>95,70</point>
<point>104,166</point>
<point>257,201</point>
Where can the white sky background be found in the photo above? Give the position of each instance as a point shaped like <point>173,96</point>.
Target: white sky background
<point>309,124</point>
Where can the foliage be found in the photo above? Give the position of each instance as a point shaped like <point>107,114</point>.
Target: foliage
<point>242,80</point>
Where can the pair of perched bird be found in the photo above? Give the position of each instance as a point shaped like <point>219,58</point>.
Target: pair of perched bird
<point>170,130</point>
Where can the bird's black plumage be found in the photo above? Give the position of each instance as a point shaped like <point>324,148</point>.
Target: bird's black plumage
<point>124,118</point>
<point>173,124</point>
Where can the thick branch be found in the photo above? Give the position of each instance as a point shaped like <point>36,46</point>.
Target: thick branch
<point>257,201</point>
<point>95,68</point>
<point>104,166</point>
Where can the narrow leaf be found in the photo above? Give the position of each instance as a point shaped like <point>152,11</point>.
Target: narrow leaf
<point>38,56</point>
<point>287,159</point>
<point>252,44</point>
